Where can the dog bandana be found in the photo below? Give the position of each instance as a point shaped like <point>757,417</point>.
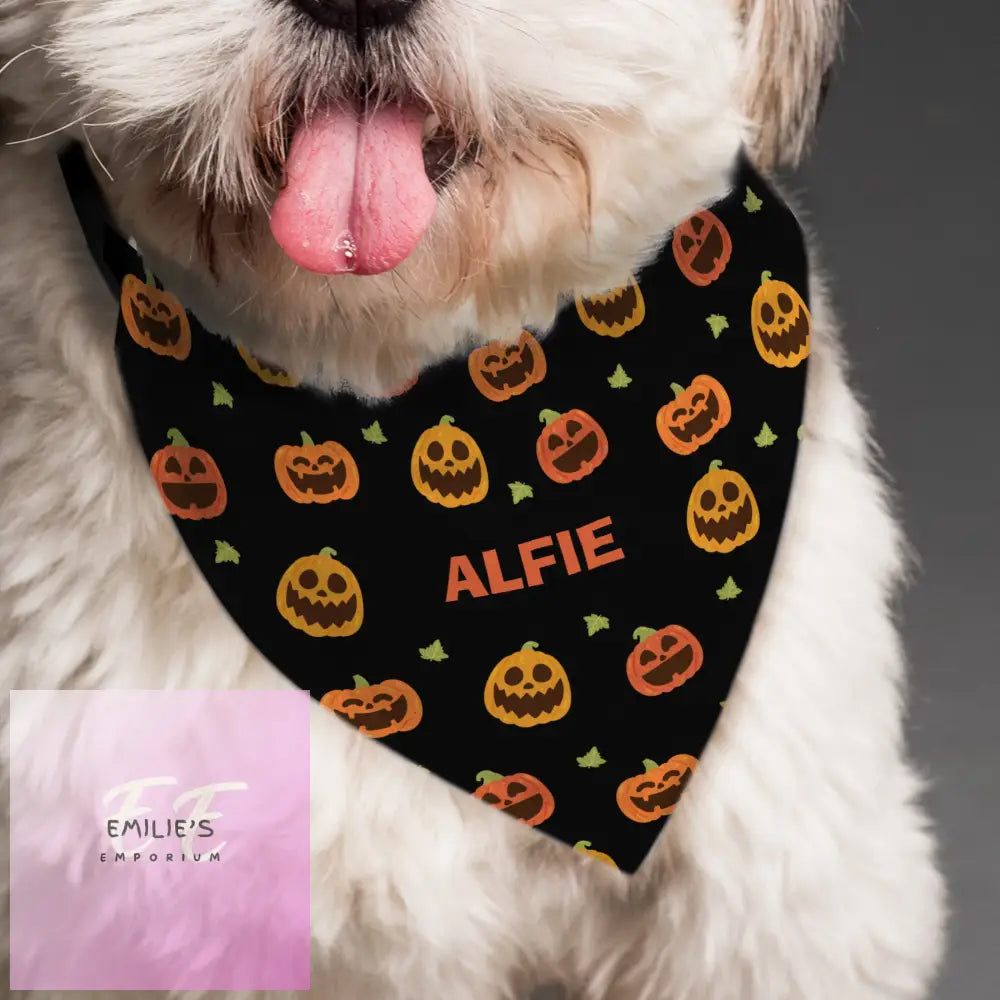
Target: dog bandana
<point>535,570</point>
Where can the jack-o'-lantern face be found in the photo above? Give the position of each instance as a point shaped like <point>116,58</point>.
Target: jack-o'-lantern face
<point>500,371</point>
<point>527,688</point>
<point>376,710</point>
<point>780,322</point>
<point>702,247</point>
<point>663,660</point>
<point>613,313</point>
<point>320,596</point>
<point>520,796</point>
<point>447,466</point>
<point>155,319</point>
<point>571,446</point>
<point>649,796</point>
<point>695,416</point>
<point>316,473</point>
<point>722,511</point>
<point>188,479</point>
<point>271,374</point>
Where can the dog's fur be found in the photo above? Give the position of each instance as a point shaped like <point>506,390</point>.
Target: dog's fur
<point>800,865</point>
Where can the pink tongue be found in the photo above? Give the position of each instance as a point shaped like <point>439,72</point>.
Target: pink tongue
<point>356,195</point>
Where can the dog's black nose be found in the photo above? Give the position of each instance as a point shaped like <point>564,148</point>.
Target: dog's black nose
<point>356,16</point>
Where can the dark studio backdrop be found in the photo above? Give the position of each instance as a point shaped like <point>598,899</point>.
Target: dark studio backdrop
<point>902,189</point>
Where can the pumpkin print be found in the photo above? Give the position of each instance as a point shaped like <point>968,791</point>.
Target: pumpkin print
<point>316,473</point>
<point>583,846</point>
<point>722,511</point>
<point>447,466</point>
<point>781,323</point>
<point>320,596</point>
<point>571,446</point>
<point>695,416</point>
<point>702,247</point>
<point>376,709</point>
<point>521,796</point>
<point>527,688</point>
<point>654,794</point>
<point>500,371</point>
<point>155,319</point>
<point>188,479</point>
<point>663,660</point>
<point>613,313</point>
<point>271,374</point>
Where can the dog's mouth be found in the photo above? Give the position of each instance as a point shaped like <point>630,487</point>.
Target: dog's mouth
<point>361,184</point>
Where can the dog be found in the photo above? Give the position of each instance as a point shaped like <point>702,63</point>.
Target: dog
<point>563,140</point>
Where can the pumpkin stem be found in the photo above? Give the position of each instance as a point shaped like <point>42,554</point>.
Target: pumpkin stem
<point>581,845</point>
<point>446,420</point>
<point>650,765</point>
<point>765,276</point>
<point>716,463</point>
<point>677,387</point>
<point>177,439</point>
<point>529,645</point>
<point>548,417</point>
<point>307,442</point>
<point>485,777</point>
<point>641,634</point>
<point>150,280</point>
<point>327,551</point>
<point>360,682</point>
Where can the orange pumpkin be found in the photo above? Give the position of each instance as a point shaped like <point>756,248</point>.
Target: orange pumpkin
<point>521,796</point>
<point>316,473</point>
<point>654,794</point>
<point>500,371</point>
<point>695,416</point>
<point>376,710</point>
<point>571,446</point>
<point>155,319</point>
<point>188,479</point>
<point>663,660</point>
<point>702,247</point>
<point>583,846</point>
<point>266,372</point>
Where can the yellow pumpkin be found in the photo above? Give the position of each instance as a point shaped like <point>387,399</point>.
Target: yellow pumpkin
<point>780,322</point>
<point>447,466</point>
<point>320,596</point>
<point>722,511</point>
<point>613,313</point>
<point>527,688</point>
<point>271,374</point>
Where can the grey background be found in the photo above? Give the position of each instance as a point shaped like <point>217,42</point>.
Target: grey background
<point>902,189</point>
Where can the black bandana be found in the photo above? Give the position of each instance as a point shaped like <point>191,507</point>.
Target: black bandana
<point>536,568</point>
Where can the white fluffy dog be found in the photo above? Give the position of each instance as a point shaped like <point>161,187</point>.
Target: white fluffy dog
<point>565,138</point>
